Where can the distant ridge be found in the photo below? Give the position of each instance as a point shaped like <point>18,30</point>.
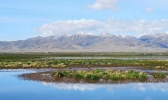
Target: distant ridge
<point>90,43</point>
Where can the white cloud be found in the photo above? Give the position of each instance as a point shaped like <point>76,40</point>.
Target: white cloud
<point>148,10</point>
<point>69,27</point>
<point>104,4</point>
<point>133,27</point>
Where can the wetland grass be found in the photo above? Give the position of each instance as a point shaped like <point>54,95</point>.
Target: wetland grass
<point>62,63</point>
<point>159,75</point>
<point>101,74</point>
<point>40,60</point>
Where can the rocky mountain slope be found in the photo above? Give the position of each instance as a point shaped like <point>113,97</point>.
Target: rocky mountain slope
<point>86,42</point>
<point>160,39</point>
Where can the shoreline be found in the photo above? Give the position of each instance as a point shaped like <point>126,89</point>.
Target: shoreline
<point>47,77</point>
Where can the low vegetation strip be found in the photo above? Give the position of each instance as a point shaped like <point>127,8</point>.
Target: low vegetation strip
<point>101,74</point>
<point>95,76</point>
<point>42,60</point>
<point>62,63</point>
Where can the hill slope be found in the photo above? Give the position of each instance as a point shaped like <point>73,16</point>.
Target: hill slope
<point>86,42</point>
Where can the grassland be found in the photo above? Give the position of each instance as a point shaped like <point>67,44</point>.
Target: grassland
<point>101,74</point>
<point>98,59</point>
<point>89,60</point>
<point>113,75</point>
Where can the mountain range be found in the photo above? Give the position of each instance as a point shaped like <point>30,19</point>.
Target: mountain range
<point>89,43</point>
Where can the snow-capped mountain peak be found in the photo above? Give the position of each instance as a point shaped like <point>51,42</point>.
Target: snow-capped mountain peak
<point>89,42</point>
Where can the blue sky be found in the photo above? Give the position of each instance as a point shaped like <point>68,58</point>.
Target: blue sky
<point>22,19</point>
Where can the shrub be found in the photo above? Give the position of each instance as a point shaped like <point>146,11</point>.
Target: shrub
<point>78,76</point>
<point>159,75</point>
<point>95,77</point>
<point>87,76</point>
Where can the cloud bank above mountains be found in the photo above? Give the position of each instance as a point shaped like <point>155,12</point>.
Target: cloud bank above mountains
<point>123,27</point>
<point>22,19</point>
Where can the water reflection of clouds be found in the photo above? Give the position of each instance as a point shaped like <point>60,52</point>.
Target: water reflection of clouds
<point>111,87</point>
<point>80,87</point>
<point>151,86</point>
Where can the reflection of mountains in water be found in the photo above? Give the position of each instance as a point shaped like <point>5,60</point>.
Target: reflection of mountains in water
<point>87,42</point>
<point>110,87</point>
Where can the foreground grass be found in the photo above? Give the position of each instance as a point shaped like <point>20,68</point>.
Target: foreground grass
<point>101,74</point>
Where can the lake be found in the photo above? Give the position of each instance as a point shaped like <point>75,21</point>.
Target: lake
<point>13,88</point>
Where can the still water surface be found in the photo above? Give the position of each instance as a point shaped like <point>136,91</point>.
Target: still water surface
<point>12,88</point>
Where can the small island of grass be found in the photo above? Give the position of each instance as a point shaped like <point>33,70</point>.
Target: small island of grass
<point>101,74</point>
<point>112,75</point>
